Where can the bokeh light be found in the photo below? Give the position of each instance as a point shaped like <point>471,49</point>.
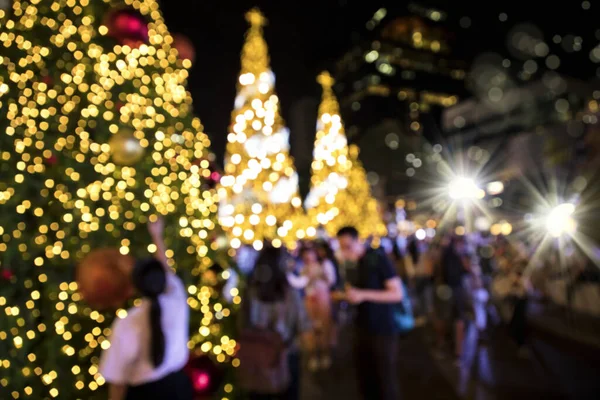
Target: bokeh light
<point>258,192</point>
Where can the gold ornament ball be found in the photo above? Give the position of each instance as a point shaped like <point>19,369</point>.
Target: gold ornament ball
<point>125,148</point>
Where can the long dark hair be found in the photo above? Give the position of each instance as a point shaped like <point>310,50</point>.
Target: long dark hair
<point>329,254</point>
<point>268,279</point>
<point>150,279</point>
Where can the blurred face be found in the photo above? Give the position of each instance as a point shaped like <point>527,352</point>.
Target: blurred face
<point>309,256</point>
<point>321,252</point>
<point>350,248</point>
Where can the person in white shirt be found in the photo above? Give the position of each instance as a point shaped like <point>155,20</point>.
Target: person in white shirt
<point>148,348</point>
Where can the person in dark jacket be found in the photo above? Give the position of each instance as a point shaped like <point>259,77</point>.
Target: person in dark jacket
<point>375,289</point>
<point>455,266</point>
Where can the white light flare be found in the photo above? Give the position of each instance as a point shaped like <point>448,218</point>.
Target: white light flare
<point>560,220</point>
<point>462,188</point>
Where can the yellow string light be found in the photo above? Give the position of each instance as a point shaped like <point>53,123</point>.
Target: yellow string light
<point>340,194</point>
<point>258,195</point>
<point>66,92</point>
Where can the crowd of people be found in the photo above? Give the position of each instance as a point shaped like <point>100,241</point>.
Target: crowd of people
<point>371,280</point>
<point>452,281</point>
<point>299,294</point>
<point>294,303</point>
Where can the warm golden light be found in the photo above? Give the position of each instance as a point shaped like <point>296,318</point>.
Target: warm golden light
<point>96,139</point>
<point>338,180</point>
<point>258,195</point>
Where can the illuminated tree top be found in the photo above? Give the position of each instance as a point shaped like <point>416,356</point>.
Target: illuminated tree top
<point>255,53</point>
<point>259,197</point>
<point>340,194</point>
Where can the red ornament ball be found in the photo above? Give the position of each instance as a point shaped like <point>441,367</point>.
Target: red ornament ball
<point>200,381</point>
<point>104,278</point>
<point>184,47</point>
<point>127,26</point>
<point>205,375</point>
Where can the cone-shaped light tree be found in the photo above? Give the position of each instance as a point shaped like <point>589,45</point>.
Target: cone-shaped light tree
<point>259,197</point>
<point>340,194</point>
<point>96,138</point>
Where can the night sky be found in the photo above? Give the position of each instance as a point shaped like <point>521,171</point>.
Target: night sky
<point>306,37</point>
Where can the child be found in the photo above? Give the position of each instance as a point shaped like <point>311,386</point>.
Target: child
<point>148,348</point>
<point>316,278</point>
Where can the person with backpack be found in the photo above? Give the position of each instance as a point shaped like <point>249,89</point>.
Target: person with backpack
<point>376,291</point>
<point>273,322</point>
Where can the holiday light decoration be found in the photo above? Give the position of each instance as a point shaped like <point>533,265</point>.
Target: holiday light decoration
<point>96,139</point>
<point>340,194</point>
<point>258,195</point>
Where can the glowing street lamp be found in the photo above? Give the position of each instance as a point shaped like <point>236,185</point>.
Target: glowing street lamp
<point>462,188</point>
<point>560,220</point>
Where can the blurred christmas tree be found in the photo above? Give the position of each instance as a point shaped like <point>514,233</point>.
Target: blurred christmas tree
<point>259,196</point>
<point>340,194</point>
<point>96,137</point>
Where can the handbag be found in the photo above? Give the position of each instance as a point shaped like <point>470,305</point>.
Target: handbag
<point>263,360</point>
<point>403,313</point>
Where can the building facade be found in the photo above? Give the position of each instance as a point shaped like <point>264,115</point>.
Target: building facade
<point>393,86</point>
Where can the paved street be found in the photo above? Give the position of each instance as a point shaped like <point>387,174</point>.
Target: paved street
<point>491,371</point>
<point>418,375</point>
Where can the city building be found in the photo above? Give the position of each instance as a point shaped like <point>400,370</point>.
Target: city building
<point>542,131</point>
<point>393,86</point>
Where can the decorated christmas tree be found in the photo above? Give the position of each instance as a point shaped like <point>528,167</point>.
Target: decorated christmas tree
<point>259,197</point>
<point>340,194</point>
<point>97,137</point>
